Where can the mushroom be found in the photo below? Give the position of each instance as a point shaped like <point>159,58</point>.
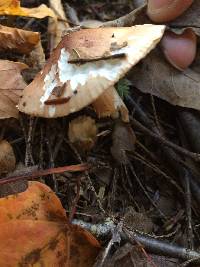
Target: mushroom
<point>84,65</point>
<point>110,104</point>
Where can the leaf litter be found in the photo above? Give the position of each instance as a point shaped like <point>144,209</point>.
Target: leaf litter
<point>139,187</point>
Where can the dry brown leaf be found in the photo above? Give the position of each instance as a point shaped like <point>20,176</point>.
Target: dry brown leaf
<point>189,19</point>
<point>12,7</point>
<point>18,40</point>
<point>133,256</point>
<point>157,77</point>
<point>35,61</point>
<point>123,140</point>
<point>81,84</point>
<point>56,28</point>
<point>35,231</point>
<point>139,221</point>
<point>83,133</point>
<point>37,57</point>
<point>11,86</point>
<point>7,157</point>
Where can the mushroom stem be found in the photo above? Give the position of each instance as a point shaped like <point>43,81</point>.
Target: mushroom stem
<point>110,104</point>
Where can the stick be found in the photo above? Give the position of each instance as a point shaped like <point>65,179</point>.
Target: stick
<point>38,173</point>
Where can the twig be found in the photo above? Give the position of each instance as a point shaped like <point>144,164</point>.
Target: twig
<point>190,121</point>
<point>73,211</point>
<point>52,165</point>
<point>94,59</point>
<point>152,166</point>
<point>150,244</point>
<point>188,262</point>
<point>116,238</point>
<point>145,192</point>
<point>164,141</point>
<point>38,173</point>
<point>173,158</point>
<point>127,20</point>
<point>88,177</point>
<point>155,113</point>
<point>188,209</point>
<point>161,247</point>
<point>188,199</point>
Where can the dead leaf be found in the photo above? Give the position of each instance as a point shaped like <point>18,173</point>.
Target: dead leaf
<point>157,77</point>
<point>123,139</point>
<point>134,220</point>
<point>189,19</point>
<point>12,7</point>
<point>37,56</point>
<point>83,133</point>
<point>18,40</point>
<point>35,223</point>
<point>38,202</point>
<point>7,157</point>
<point>133,256</point>
<point>56,28</point>
<point>35,61</point>
<point>11,86</point>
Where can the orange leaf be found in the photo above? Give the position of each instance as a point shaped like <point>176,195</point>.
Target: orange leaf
<point>12,7</point>
<point>35,232</point>
<point>42,243</point>
<point>38,202</point>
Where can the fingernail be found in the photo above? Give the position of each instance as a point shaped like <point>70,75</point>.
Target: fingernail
<point>180,50</point>
<point>157,4</point>
<point>166,10</point>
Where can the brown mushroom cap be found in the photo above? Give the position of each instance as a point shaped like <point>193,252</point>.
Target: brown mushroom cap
<point>62,87</point>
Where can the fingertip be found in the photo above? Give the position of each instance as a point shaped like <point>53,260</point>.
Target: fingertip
<point>166,10</point>
<point>180,50</point>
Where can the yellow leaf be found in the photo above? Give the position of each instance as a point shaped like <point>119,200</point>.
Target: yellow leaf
<point>12,7</point>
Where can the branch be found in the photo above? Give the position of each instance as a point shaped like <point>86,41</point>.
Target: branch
<point>39,173</point>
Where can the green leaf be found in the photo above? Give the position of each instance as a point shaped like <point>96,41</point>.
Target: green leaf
<point>123,87</point>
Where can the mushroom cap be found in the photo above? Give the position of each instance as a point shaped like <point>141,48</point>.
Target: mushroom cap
<point>62,87</point>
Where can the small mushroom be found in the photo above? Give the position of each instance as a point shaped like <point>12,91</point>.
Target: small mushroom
<point>84,65</point>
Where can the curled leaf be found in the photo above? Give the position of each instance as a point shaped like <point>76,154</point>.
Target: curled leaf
<point>18,40</point>
<point>12,7</point>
